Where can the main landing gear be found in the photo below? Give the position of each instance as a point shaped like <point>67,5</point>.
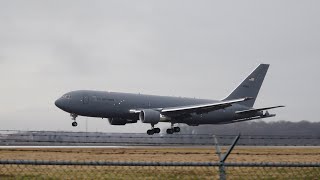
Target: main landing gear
<point>153,130</point>
<point>173,130</point>
<point>73,117</point>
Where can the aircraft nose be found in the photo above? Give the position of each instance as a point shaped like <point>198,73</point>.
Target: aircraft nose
<point>58,103</point>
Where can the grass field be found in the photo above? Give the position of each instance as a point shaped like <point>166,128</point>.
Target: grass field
<point>155,154</point>
<point>176,154</point>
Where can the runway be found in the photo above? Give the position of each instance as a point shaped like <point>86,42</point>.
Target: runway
<point>64,147</point>
<point>150,147</point>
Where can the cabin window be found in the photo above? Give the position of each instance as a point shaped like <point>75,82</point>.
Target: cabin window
<point>66,96</point>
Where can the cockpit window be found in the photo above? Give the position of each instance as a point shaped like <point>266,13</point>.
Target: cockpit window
<point>66,96</point>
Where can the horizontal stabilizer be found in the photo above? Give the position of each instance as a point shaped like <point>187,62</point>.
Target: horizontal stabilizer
<point>257,110</point>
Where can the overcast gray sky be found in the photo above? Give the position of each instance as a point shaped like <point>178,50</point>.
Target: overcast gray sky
<point>186,48</point>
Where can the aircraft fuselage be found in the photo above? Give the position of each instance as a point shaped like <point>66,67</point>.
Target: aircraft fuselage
<point>124,108</point>
<point>118,105</point>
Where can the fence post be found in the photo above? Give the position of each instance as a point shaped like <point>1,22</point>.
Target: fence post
<point>223,157</point>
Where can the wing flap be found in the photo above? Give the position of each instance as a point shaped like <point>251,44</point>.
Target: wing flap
<point>249,119</point>
<point>256,110</point>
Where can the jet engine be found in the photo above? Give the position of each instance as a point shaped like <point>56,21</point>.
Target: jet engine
<point>151,116</point>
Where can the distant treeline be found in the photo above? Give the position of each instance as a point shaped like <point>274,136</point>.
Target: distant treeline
<point>282,128</point>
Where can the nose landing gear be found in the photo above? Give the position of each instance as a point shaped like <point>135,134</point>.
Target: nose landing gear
<point>74,117</point>
<point>74,124</point>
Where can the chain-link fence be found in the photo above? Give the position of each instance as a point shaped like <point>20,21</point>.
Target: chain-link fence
<point>160,157</point>
<point>154,170</point>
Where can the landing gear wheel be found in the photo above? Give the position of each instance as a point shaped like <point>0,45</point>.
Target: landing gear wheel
<point>156,130</point>
<point>74,124</point>
<point>150,132</point>
<point>170,131</point>
<point>176,129</point>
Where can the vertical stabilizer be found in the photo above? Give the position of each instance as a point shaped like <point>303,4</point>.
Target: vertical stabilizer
<point>250,86</point>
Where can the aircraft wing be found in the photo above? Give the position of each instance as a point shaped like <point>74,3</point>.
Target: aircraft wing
<point>201,108</point>
<point>256,110</point>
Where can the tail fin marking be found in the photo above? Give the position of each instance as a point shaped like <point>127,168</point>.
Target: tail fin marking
<point>250,87</point>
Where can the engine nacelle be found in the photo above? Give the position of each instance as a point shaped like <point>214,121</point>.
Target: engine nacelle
<point>117,121</point>
<point>150,116</point>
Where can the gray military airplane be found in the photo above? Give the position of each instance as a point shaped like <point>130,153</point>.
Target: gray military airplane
<point>124,108</point>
